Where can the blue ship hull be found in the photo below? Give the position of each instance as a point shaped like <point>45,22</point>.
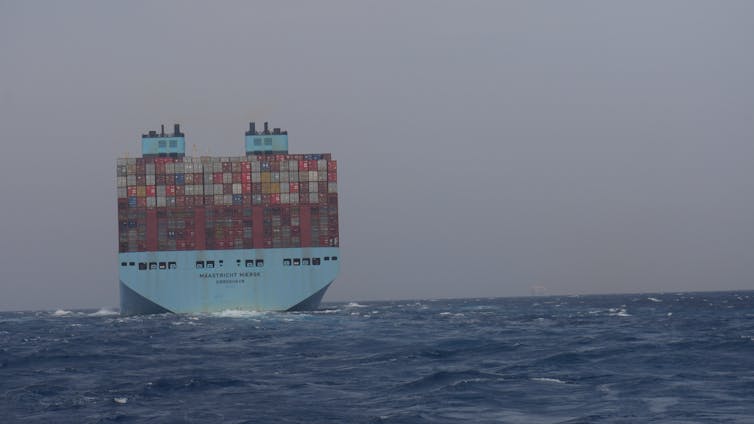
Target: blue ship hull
<point>203,281</point>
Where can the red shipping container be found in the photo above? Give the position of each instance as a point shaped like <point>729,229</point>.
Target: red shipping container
<point>151,192</point>
<point>332,165</point>
<point>246,188</point>
<point>313,165</point>
<point>170,190</point>
<point>236,177</point>
<point>245,167</point>
<point>293,187</point>
<point>217,178</point>
<point>246,177</point>
<point>180,190</point>
<point>303,165</point>
<point>180,201</point>
<point>332,176</point>
<point>275,199</point>
<point>227,167</point>
<point>159,167</point>
<point>131,191</point>
<point>141,202</point>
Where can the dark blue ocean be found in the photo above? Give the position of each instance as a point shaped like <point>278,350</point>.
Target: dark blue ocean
<point>666,358</point>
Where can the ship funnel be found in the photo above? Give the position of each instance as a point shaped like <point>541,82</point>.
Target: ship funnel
<point>252,128</point>
<point>177,130</point>
<point>266,128</point>
<point>162,132</point>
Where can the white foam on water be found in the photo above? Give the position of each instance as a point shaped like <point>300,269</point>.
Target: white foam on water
<point>104,312</point>
<point>446,313</point>
<point>120,400</point>
<point>654,299</point>
<point>548,380</point>
<point>61,313</point>
<point>237,313</point>
<point>670,314</point>
<point>355,305</point>
<point>618,312</point>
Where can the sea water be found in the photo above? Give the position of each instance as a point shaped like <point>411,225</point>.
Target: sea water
<point>666,358</point>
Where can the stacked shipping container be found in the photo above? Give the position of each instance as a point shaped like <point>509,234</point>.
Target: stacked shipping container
<point>249,202</point>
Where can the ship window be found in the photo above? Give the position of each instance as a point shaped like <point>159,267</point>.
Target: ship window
<point>131,263</point>
<point>287,262</point>
<point>335,258</point>
<point>199,264</point>
<point>171,265</point>
<point>162,265</point>
<point>315,261</point>
<point>297,262</point>
<point>153,265</point>
<point>249,263</point>
<point>173,143</point>
<point>260,262</point>
<point>327,258</point>
<point>161,143</point>
<point>142,266</point>
<point>220,263</point>
<point>123,263</point>
<point>238,262</point>
<point>268,141</point>
<point>210,264</point>
<point>258,141</point>
<point>305,261</point>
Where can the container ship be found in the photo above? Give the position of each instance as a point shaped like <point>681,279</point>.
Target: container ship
<point>205,234</point>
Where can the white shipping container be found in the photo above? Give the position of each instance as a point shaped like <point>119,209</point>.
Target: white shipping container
<point>285,198</point>
<point>283,165</point>
<point>121,182</point>
<point>313,187</point>
<point>121,162</point>
<point>188,167</point>
<point>285,187</point>
<point>227,199</point>
<point>227,178</point>
<point>217,167</point>
<point>161,202</point>
<point>198,189</point>
<point>293,165</point>
<point>303,176</point>
<point>322,165</point>
<point>275,176</point>
<point>170,168</point>
<point>160,190</point>
<point>209,189</point>
<point>294,198</point>
<point>256,177</point>
<point>150,179</point>
<point>122,192</point>
<point>218,189</point>
<point>151,202</point>
<point>236,188</point>
<point>322,176</point>
<point>313,198</point>
<point>332,187</point>
<point>313,176</point>
<point>218,199</point>
<point>255,167</point>
<point>130,180</point>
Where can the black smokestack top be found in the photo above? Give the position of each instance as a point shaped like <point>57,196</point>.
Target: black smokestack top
<point>177,130</point>
<point>252,128</point>
<point>266,128</point>
<point>162,132</point>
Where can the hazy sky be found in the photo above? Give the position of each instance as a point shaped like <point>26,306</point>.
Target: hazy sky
<point>483,147</point>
